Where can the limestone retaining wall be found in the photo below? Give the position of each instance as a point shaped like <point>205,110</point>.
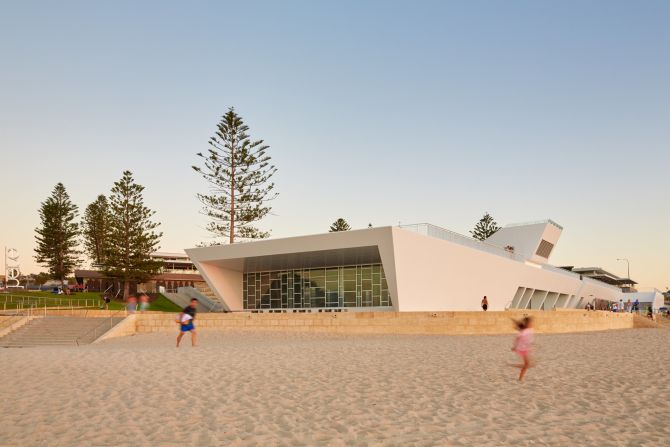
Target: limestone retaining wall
<point>452,323</point>
<point>11,323</point>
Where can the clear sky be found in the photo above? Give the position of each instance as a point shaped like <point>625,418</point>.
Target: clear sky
<point>378,112</point>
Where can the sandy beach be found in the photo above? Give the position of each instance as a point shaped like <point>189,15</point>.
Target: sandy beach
<point>266,389</point>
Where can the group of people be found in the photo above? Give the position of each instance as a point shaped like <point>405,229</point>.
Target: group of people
<point>628,307</point>
<point>132,304</point>
<point>618,307</point>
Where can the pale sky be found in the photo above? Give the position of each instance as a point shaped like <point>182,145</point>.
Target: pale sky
<point>379,112</point>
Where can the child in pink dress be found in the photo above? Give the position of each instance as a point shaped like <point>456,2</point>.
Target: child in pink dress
<point>523,343</point>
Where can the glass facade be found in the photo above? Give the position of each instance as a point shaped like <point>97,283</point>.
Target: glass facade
<point>342,286</point>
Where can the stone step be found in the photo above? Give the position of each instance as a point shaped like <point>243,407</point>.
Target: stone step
<point>58,330</point>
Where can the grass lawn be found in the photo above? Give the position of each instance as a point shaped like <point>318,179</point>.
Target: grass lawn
<point>80,299</point>
<point>163,304</point>
<point>78,295</point>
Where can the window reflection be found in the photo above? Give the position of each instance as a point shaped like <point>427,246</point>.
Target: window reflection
<point>341,286</point>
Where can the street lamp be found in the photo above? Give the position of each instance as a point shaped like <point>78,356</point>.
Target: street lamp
<point>627,263</point>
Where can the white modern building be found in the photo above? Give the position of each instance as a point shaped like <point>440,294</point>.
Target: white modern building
<point>418,267</point>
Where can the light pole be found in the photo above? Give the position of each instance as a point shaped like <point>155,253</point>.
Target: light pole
<point>627,263</point>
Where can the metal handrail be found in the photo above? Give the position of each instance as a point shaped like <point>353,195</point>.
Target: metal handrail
<point>44,301</point>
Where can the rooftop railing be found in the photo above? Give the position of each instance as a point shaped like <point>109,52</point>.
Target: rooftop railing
<point>431,230</point>
<point>534,222</point>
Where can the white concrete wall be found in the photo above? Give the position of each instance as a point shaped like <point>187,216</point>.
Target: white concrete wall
<point>225,283</point>
<point>526,238</point>
<point>434,274</point>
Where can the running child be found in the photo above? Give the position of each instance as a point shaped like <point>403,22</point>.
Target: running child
<point>523,344</point>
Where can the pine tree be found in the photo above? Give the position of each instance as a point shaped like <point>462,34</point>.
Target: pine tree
<point>238,171</point>
<point>95,229</point>
<point>132,238</point>
<point>339,225</point>
<point>485,228</point>
<point>57,236</point>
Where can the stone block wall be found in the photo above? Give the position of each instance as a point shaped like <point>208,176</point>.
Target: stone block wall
<point>447,323</point>
<point>9,323</point>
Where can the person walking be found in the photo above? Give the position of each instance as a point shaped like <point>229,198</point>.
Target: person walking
<point>105,302</point>
<point>186,322</point>
<point>132,304</point>
<point>144,302</point>
<point>485,303</point>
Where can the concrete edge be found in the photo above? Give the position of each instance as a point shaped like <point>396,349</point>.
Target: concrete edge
<point>123,328</point>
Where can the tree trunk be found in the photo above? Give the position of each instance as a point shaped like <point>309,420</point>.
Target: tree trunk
<point>126,289</point>
<point>232,192</point>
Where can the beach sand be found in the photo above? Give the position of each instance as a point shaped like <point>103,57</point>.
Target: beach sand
<point>267,389</point>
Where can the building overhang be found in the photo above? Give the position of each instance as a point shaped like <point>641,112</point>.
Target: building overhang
<point>222,266</point>
<point>314,259</point>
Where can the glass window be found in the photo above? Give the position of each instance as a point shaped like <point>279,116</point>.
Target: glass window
<point>339,286</point>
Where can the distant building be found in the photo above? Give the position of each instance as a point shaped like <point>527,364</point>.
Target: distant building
<point>177,271</point>
<point>175,263</point>
<point>626,284</point>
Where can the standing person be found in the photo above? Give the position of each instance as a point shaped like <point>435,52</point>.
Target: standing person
<point>620,304</point>
<point>144,302</point>
<point>132,304</point>
<point>186,322</point>
<point>636,305</point>
<point>485,303</point>
<point>629,306</point>
<point>523,344</point>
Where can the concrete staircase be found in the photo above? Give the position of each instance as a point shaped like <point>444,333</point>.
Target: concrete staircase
<point>58,330</point>
<point>205,290</point>
<point>208,302</point>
